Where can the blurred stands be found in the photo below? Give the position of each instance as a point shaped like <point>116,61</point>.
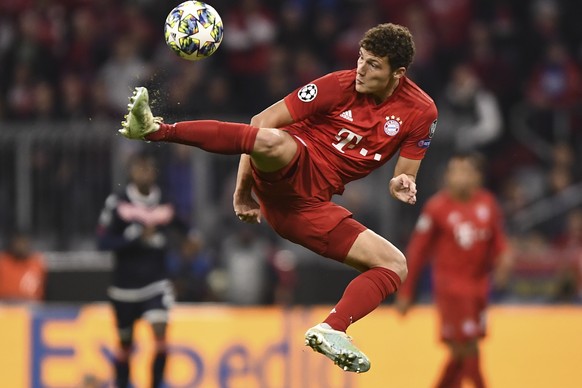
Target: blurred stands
<point>67,67</point>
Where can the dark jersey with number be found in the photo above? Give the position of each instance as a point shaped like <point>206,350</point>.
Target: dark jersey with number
<point>349,135</point>
<point>139,261</point>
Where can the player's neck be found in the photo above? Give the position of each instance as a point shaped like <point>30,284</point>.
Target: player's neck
<point>462,196</point>
<point>390,88</point>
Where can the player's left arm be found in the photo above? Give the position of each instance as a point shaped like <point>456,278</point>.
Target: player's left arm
<point>503,255</point>
<point>412,151</point>
<point>403,185</point>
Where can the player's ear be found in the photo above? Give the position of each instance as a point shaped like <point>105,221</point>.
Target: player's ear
<point>399,73</point>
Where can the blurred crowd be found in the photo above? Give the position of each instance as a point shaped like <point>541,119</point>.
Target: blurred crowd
<point>506,76</point>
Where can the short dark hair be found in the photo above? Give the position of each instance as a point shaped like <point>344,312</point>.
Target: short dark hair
<point>477,159</point>
<point>142,156</point>
<point>391,40</point>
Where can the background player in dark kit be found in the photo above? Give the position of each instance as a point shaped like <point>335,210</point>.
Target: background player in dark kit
<point>136,224</point>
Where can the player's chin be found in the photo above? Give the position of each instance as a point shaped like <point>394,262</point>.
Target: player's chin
<point>360,88</point>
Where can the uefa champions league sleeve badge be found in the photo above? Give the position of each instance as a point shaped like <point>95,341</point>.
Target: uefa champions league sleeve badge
<point>307,93</point>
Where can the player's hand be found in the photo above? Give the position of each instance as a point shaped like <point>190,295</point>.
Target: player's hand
<point>246,208</point>
<point>402,305</point>
<point>403,188</point>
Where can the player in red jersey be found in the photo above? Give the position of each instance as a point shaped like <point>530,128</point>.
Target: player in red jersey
<point>461,229</point>
<point>303,149</point>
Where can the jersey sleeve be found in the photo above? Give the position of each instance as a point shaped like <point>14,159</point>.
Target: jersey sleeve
<point>419,247</point>
<point>321,95</point>
<point>419,138</point>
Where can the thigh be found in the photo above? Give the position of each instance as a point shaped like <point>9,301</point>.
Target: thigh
<point>324,228</point>
<point>371,250</point>
<point>126,313</point>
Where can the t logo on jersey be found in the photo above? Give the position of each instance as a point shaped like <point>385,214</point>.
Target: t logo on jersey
<point>351,137</point>
<point>307,93</point>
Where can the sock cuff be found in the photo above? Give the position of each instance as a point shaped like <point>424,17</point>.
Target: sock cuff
<point>385,279</point>
<point>165,132</point>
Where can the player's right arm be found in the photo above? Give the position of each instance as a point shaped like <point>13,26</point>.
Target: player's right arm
<point>245,206</point>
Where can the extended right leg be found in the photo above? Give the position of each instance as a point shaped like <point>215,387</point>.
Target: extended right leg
<point>270,148</point>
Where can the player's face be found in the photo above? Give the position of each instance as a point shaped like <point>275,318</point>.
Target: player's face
<point>462,177</point>
<point>375,76</point>
<point>143,174</point>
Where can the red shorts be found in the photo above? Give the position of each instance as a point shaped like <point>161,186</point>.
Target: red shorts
<point>295,201</point>
<point>462,317</point>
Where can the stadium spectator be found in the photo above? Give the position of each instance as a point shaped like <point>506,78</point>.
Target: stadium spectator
<point>461,230</point>
<point>245,259</point>
<point>469,113</point>
<point>252,34</point>
<point>556,80</point>
<point>136,224</point>
<point>74,103</point>
<point>22,271</point>
<point>188,267</point>
<point>492,64</point>
<point>123,70</point>
<point>569,245</point>
<point>469,120</point>
<point>334,130</point>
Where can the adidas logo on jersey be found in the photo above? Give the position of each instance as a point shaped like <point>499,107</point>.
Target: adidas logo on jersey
<point>347,115</point>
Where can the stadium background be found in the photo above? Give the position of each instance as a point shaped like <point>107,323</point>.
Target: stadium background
<point>67,67</point>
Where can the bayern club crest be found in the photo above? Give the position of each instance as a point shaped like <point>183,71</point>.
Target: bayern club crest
<point>392,125</point>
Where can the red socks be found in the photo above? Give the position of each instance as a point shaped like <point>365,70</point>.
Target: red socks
<point>452,374</point>
<point>210,135</point>
<point>362,296</point>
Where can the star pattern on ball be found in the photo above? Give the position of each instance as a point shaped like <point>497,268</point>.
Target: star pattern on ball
<point>176,34</point>
<point>205,34</point>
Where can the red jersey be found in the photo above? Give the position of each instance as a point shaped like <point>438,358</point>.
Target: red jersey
<point>348,135</point>
<point>462,238</point>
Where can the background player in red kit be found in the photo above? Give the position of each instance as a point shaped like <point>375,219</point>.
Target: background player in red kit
<point>303,149</point>
<point>460,228</point>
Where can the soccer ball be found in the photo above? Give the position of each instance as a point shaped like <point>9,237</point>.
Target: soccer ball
<point>193,30</point>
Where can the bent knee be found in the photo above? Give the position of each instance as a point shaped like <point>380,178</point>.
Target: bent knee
<point>271,143</point>
<point>400,266</point>
<point>396,261</point>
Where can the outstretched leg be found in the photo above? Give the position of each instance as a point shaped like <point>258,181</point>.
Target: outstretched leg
<point>270,148</point>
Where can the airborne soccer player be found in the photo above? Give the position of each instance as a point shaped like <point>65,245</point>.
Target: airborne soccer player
<point>302,150</point>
